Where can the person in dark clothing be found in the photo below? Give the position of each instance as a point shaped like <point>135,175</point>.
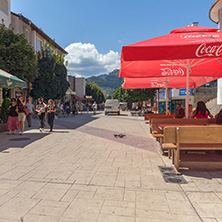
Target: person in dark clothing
<point>179,113</point>
<point>219,117</point>
<point>51,109</point>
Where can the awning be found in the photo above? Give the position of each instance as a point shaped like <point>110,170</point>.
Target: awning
<point>9,81</point>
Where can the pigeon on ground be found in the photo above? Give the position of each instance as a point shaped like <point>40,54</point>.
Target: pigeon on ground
<point>121,135</point>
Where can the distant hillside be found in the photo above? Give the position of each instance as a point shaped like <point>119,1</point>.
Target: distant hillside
<point>108,82</point>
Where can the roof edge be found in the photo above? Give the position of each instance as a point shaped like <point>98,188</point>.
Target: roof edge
<point>40,32</point>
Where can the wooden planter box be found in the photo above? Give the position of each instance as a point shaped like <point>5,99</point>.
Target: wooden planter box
<point>3,127</point>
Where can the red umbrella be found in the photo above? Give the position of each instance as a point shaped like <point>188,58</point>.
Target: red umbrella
<point>165,82</point>
<point>170,82</point>
<point>186,52</point>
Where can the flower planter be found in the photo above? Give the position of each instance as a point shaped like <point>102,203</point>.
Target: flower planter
<point>3,127</point>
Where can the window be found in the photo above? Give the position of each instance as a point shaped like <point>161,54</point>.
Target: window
<point>38,45</point>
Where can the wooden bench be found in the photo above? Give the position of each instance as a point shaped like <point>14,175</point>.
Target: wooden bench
<point>134,113</point>
<point>194,138</point>
<point>155,122</point>
<point>147,116</point>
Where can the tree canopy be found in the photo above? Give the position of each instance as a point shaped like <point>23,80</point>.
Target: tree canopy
<point>17,57</point>
<point>95,91</point>
<point>133,95</point>
<point>51,82</point>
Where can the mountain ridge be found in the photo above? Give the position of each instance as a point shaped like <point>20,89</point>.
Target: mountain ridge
<point>107,82</point>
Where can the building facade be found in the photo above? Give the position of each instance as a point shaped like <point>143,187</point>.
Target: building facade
<point>5,12</point>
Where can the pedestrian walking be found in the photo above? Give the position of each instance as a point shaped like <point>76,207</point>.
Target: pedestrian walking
<point>31,109</point>
<point>94,108</point>
<point>12,123</point>
<point>87,107</point>
<point>80,107</point>
<point>51,109</point>
<point>61,109</point>
<point>40,108</point>
<point>73,108</point>
<point>21,114</point>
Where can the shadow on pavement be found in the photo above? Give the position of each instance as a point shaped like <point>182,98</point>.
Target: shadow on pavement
<point>31,135</point>
<point>18,141</point>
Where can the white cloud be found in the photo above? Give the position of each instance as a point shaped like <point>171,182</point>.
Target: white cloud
<point>84,60</point>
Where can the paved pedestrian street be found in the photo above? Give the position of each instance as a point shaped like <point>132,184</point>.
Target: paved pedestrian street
<point>81,172</point>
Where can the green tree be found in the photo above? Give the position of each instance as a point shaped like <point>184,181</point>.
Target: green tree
<point>16,55</point>
<point>95,91</point>
<point>120,94</point>
<point>133,95</point>
<point>51,82</point>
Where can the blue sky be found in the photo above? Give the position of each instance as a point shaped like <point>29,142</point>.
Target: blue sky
<point>93,31</point>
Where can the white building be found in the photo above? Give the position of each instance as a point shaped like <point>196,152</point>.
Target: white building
<point>5,12</point>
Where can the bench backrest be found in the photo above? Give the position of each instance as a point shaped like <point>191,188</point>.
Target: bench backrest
<point>147,116</point>
<point>199,134</point>
<point>157,121</point>
<point>169,134</point>
<point>193,134</point>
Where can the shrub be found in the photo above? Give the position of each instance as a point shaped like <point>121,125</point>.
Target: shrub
<point>4,109</point>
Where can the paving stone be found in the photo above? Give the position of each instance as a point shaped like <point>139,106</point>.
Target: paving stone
<point>82,173</point>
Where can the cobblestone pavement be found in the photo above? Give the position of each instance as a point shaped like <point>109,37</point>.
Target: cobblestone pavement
<point>81,172</point>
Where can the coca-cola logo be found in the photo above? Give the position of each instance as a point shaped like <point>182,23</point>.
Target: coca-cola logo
<point>197,36</point>
<point>209,50</point>
<point>172,72</point>
<point>157,85</point>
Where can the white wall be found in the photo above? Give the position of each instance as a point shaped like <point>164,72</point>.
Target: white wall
<point>80,87</point>
<point>5,12</point>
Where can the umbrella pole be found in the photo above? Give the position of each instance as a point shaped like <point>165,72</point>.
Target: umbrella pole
<point>187,92</point>
<point>166,98</point>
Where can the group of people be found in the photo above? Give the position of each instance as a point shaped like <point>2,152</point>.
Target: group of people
<point>19,110</point>
<point>46,111</point>
<point>76,107</point>
<point>201,111</point>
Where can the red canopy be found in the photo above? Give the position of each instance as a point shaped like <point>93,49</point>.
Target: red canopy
<point>183,43</point>
<point>169,82</point>
<point>186,52</point>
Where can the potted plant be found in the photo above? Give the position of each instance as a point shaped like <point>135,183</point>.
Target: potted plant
<point>3,115</point>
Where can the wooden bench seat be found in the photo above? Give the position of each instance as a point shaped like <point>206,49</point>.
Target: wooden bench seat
<point>155,122</point>
<point>199,138</point>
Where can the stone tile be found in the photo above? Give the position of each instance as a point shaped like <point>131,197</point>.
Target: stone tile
<point>185,218</point>
<point>171,195</point>
<point>152,220</point>
<point>219,195</point>
<point>129,196</point>
<point>7,220</point>
<point>39,218</point>
<point>71,219</point>
<point>84,209</point>
<point>118,211</point>
<point>50,194</point>
<point>47,211</point>
<point>112,218</point>
<point>154,214</point>
<point>17,207</point>
<point>211,220</point>
<point>85,194</point>
<point>109,194</point>
<point>122,204</point>
<point>203,197</point>
<point>209,210</point>
<point>181,207</point>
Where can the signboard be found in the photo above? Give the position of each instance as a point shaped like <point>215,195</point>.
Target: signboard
<point>182,92</point>
<point>219,91</point>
